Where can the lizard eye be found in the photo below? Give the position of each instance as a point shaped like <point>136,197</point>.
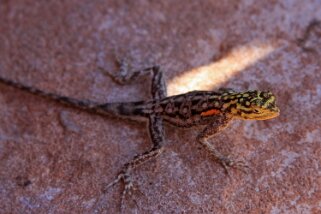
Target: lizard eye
<point>265,95</point>
<point>256,111</point>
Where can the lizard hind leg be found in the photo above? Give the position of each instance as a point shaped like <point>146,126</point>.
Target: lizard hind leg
<point>158,84</point>
<point>125,76</point>
<point>157,137</point>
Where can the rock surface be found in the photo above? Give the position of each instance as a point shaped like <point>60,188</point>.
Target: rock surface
<point>55,159</point>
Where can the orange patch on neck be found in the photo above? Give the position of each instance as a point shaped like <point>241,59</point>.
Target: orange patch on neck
<point>210,112</point>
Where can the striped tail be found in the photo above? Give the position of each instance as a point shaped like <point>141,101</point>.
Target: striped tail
<point>128,109</point>
<point>112,109</point>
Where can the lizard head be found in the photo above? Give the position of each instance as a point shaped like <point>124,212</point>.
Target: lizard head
<point>252,105</point>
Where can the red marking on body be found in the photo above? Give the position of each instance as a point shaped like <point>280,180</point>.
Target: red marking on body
<point>210,112</point>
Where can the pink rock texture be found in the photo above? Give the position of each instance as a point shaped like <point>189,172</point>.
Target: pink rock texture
<point>55,159</point>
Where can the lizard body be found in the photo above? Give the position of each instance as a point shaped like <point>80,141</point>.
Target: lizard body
<point>212,109</point>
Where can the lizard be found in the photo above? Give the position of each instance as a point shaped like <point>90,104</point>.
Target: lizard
<point>213,110</point>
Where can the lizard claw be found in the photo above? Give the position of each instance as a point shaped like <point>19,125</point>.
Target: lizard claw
<point>242,166</point>
<point>228,163</point>
<point>111,184</point>
<point>128,189</point>
<point>122,76</point>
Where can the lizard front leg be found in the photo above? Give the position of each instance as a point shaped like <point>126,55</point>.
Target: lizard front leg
<point>157,137</point>
<point>218,124</point>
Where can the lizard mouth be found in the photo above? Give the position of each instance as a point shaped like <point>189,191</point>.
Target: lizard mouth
<point>261,114</point>
<point>268,115</point>
<point>265,114</point>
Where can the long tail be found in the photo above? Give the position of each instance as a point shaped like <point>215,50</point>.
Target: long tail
<point>112,109</point>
